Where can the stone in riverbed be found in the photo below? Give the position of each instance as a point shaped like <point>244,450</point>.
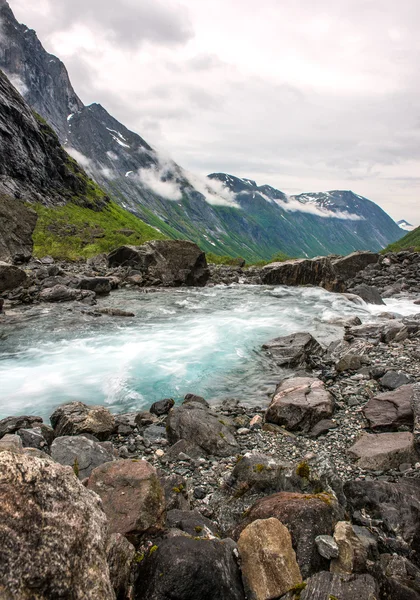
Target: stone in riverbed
<point>12,424</point>
<point>132,497</point>
<point>11,277</point>
<point>369,293</point>
<point>53,533</point>
<point>99,285</point>
<point>62,293</point>
<point>299,403</point>
<point>390,410</point>
<point>82,454</point>
<point>383,451</point>
<point>268,561</point>
<point>296,350</point>
<point>162,407</point>
<point>394,379</point>
<point>196,424</point>
<point>182,568</point>
<point>76,418</point>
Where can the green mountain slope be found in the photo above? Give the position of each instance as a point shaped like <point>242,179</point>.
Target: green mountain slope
<point>409,241</point>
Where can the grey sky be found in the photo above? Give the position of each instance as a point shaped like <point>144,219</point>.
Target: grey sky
<point>306,96</point>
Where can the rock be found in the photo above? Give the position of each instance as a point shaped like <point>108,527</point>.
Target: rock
<point>352,554</point>
<point>11,277</point>
<point>53,533</point>
<point>197,399</point>
<point>393,380</point>
<point>17,223</point>
<point>13,424</point>
<point>349,362</point>
<point>305,515</point>
<point>33,438</point>
<point>154,433</point>
<point>81,454</point>
<point>167,262</point>
<point>132,497</point>
<point>198,425</point>
<point>383,451</point>
<point>268,561</point>
<point>299,403</point>
<point>257,471</point>
<point>327,546</point>
<point>143,419</point>
<point>162,407</point>
<point>393,508</point>
<point>415,407</point>
<point>192,522</point>
<point>331,586</point>
<point>11,443</point>
<point>120,556</point>
<point>76,418</point>
<point>322,427</point>
<point>369,293</point>
<point>347,267</point>
<point>62,293</point>
<point>296,350</point>
<point>256,422</point>
<point>398,578</point>
<point>175,488</point>
<point>390,410</point>
<point>396,331</point>
<point>99,285</point>
<point>316,271</point>
<point>115,312</point>
<point>184,447</point>
<point>125,423</point>
<point>182,568</point>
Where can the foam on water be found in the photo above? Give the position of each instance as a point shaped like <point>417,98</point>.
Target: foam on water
<point>206,341</point>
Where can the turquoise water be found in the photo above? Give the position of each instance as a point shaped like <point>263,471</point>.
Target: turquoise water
<point>204,341</point>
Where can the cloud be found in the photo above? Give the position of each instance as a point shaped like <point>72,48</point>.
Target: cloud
<point>160,178</point>
<point>293,205</point>
<point>17,82</point>
<point>83,160</point>
<point>213,190</point>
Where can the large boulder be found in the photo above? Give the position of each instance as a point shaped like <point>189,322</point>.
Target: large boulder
<point>182,568</point>
<point>53,533</point>
<point>332,586</point>
<point>305,515</point>
<point>390,410</point>
<point>383,451</point>
<point>195,423</point>
<point>346,267</point>
<point>13,424</point>
<point>62,293</point>
<point>394,508</point>
<point>299,403</point>
<point>303,271</point>
<point>132,497</point>
<point>296,350</point>
<point>99,285</point>
<point>11,277</point>
<point>76,418</point>
<point>17,224</point>
<point>268,561</point>
<point>369,293</point>
<point>82,454</point>
<point>164,262</point>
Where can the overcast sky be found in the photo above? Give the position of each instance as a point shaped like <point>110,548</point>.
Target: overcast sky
<point>306,96</point>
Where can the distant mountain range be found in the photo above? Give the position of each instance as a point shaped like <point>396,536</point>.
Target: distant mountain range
<point>222,213</point>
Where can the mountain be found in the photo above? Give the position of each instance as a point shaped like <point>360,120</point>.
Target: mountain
<point>222,217</point>
<point>411,241</point>
<point>405,225</point>
<point>75,217</point>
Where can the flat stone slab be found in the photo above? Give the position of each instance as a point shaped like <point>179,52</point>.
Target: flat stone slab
<point>390,410</point>
<point>383,451</point>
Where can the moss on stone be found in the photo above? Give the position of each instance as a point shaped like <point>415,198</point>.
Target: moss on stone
<point>303,470</point>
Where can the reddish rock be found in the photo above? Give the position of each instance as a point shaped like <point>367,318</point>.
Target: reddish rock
<point>391,409</point>
<point>384,451</point>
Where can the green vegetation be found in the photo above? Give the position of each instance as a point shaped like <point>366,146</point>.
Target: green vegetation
<point>215,259</point>
<point>303,470</point>
<point>411,241</point>
<point>76,467</point>
<point>278,257</point>
<point>72,232</point>
<point>259,468</point>
<point>297,590</point>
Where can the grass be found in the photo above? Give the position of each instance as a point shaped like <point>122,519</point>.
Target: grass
<point>72,232</point>
<point>278,257</point>
<point>411,241</point>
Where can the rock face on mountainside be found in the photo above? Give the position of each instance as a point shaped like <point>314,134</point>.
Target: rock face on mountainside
<point>247,220</point>
<point>17,224</point>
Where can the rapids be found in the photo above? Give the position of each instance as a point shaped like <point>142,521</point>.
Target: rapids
<point>205,341</point>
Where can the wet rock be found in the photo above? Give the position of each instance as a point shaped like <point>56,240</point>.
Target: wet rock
<point>296,350</point>
<point>299,403</point>
<point>120,557</point>
<point>331,586</point>
<point>268,561</point>
<point>46,514</point>
<point>394,379</point>
<point>17,223</point>
<point>198,425</point>
<point>12,424</point>
<point>99,285</point>
<point>132,497</point>
<point>390,410</point>
<point>393,509</point>
<point>369,293</point>
<point>62,293</point>
<point>305,515</point>
<point>115,312</point>
<point>383,451</point>
<point>327,546</point>
<point>352,554</point>
<point>76,418</point>
<point>183,568</point>
<point>11,277</point>
<point>165,262</point>
<point>162,407</point>
<point>80,453</point>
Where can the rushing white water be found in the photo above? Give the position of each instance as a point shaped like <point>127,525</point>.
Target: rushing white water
<point>205,341</point>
